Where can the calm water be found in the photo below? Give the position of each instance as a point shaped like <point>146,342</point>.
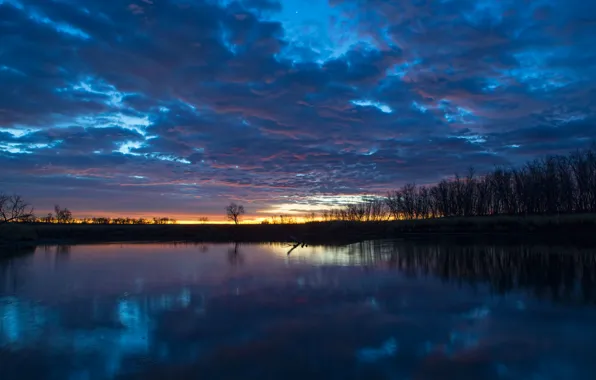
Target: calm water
<point>376,310</point>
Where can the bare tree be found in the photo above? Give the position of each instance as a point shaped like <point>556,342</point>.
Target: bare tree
<point>164,220</point>
<point>551,185</point>
<point>286,219</point>
<point>14,209</point>
<point>63,215</point>
<point>394,203</point>
<point>310,217</point>
<point>203,219</point>
<point>376,210</point>
<point>234,212</point>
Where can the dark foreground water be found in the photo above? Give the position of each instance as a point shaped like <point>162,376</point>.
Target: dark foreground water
<point>376,310</point>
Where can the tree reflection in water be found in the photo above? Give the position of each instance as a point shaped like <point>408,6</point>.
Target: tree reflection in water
<point>562,274</point>
<point>314,307</point>
<point>235,257</point>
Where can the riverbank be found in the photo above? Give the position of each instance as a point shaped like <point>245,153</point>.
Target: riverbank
<point>573,228</point>
<point>17,239</point>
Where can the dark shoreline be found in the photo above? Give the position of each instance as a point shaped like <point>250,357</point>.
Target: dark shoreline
<point>563,229</point>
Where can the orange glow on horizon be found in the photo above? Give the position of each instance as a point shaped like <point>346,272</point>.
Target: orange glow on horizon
<point>186,219</point>
<point>290,212</point>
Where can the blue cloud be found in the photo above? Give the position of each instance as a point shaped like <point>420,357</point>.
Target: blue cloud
<point>254,99</point>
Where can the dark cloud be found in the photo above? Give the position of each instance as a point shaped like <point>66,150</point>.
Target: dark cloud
<point>182,105</point>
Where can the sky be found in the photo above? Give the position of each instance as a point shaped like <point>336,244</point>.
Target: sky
<point>178,107</point>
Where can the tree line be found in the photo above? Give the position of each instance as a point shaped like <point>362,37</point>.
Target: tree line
<point>555,184</point>
<point>560,273</point>
<point>68,219</point>
<point>13,209</point>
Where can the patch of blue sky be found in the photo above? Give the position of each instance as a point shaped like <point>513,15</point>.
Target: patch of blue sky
<point>567,117</point>
<point>19,131</point>
<point>369,103</point>
<point>455,114</point>
<point>129,120</point>
<point>543,79</point>
<point>59,26</point>
<point>474,139</point>
<point>226,40</point>
<point>117,119</point>
<point>13,148</point>
<point>571,118</point>
<point>11,70</point>
<point>26,148</point>
<point>492,84</point>
<point>170,158</point>
<point>97,87</point>
<point>129,148</point>
<point>192,107</point>
<point>419,107</point>
<point>371,152</point>
<point>486,11</point>
<point>402,69</point>
<point>14,3</point>
<point>535,73</point>
<point>318,32</point>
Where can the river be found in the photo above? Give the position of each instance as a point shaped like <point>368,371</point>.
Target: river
<point>373,310</point>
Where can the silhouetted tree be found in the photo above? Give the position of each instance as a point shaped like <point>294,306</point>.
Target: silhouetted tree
<point>203,219</point>
<point>164,220</point>
<point>551,185</point>
<point>14,209</point>
<point>286,219</point>
<point>310,217</point>
<point>234,212</point>
<point>63,215</point>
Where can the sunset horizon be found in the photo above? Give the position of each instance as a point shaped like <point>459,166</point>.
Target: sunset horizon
<point>297,189</point>
<point>172,107</point>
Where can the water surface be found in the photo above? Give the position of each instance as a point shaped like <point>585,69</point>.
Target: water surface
<point>375,310</point>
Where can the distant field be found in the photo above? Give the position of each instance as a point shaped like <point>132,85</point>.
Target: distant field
<point>563,227</point>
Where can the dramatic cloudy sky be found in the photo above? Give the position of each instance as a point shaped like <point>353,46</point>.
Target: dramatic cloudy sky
<point>176,107</point>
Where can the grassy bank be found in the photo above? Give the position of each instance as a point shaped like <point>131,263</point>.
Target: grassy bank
<point>16,239</point>
<point>564,227</point>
